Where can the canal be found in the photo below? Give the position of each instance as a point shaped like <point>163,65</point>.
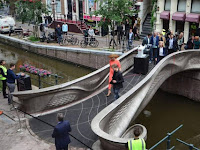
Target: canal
<point>166,112</point>
<point>66,70</point>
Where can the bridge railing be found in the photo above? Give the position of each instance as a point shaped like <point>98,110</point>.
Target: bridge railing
<point>114,120</point>
<point>73,92</point>
<point>168,139</point>
<point>191,146</point>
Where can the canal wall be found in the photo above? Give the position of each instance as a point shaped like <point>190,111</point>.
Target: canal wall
<point>94,59</point>
<point>185,84</point>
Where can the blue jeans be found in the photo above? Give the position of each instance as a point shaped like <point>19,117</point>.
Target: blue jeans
<point>116,93</point>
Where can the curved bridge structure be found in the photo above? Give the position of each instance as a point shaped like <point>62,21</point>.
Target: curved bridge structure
<point>73,92</point>
<point>111,123</point>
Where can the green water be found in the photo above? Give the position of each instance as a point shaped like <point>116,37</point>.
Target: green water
<point>67,70</point>
<point>168,111</point>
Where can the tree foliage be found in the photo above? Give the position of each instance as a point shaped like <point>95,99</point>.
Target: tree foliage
<point>115,10</point>
<point>30,10</point>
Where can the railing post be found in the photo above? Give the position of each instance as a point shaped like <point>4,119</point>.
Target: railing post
<point>56,79</point>
<point>39,80</point>
<point>168,140</point>
<point>191,146</point>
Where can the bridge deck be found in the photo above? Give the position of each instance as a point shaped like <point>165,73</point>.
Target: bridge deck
<point>81,115</point>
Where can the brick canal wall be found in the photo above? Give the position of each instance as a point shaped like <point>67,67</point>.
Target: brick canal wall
<point>94,59</point>
<point>185,84</point>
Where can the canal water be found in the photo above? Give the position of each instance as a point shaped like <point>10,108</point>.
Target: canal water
<point>166,112</point>
<point>67,71</point>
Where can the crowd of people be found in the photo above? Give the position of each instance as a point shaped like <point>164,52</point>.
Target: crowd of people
<point>165,43</point>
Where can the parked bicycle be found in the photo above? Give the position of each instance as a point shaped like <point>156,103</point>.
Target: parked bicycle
<point>91,41</point>
<point>69,39</point>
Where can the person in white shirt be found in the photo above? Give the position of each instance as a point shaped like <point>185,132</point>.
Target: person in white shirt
<point>65,28</point>
<point>91,33</point>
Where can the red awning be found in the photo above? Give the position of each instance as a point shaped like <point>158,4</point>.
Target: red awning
<point>165,15</point>
<point>178,16</point>
<point>193,17</point>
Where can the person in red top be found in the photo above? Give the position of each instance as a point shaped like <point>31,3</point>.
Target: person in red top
<point>112,61</point>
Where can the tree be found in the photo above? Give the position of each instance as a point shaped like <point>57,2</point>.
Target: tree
<point>31,11</point>
<point>115,11</point>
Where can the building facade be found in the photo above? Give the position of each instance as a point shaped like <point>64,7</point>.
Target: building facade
<point>178,16</point>
<point>72,9</point>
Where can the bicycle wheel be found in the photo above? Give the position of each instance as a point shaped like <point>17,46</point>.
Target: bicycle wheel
<point>77,41</point>
<point>73,41</point>
<point>94,43</point>
<point>83,44</point>
<point>20,35</point>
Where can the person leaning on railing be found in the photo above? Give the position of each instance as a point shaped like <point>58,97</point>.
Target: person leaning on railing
<point>136,143</point>
<point>11,82</point>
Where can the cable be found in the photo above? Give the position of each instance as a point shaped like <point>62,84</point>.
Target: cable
<point>52,126</point>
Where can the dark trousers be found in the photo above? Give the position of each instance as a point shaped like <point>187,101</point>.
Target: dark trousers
<point>160,58</point>
<point>116,93</point>
<point>4,88</point>
<point>155,54</point>
<point>62,148</point>
<point>112,40</point>
<point>170,51</point>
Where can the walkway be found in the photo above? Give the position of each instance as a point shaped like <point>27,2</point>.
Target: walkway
<point>81,115</point>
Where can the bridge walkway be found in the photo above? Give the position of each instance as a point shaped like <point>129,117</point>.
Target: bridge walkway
<point>81,115</point>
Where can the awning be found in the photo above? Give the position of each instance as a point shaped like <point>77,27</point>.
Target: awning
<point>192,17</point>
<point>178,16</point>
<point>165,15</point>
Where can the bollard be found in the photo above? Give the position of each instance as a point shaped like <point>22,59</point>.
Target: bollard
<point>168,140</point>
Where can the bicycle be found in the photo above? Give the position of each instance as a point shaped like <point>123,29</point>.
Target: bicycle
<point>92,42</point>
<point>70,39</point>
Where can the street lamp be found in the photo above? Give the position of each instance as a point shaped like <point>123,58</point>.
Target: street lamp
<point>53,3</point>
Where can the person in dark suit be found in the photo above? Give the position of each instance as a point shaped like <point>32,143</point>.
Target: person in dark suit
<point>172,44</point>
<point>146,40</point>
<point>61,133</point>
<point>154,50</point>
<point>117,81</point>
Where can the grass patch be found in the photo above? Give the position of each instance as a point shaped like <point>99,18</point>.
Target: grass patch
<point>33,39</point>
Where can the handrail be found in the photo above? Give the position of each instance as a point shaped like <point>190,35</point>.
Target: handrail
<point>110,123</point>
<point>167,137</point>
<point>191,146</point>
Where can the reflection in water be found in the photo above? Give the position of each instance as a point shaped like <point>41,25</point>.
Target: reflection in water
<point>168,111</point>
<point>66,70</point>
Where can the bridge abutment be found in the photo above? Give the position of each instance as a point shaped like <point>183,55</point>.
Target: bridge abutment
<point>185,83</point>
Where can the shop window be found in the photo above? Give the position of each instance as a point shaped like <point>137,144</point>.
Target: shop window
<point>58,6</point>
<point>182,5</point>
<point>49,6</point>
<point>193,29</point>
<point>179,26</point>
<point>195,6</point>
<point>167,5</point>
<point>166,24</point>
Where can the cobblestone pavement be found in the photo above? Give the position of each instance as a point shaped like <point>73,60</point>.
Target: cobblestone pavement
<point>21,140</point>
<point>103,41</point>
<point>81,115</point>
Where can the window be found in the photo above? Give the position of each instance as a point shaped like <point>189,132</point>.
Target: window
<point>182,5</point>
<point>58,6</point>
<point>195,6</point>
<point>167,4</point>
<point>49,6</point>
